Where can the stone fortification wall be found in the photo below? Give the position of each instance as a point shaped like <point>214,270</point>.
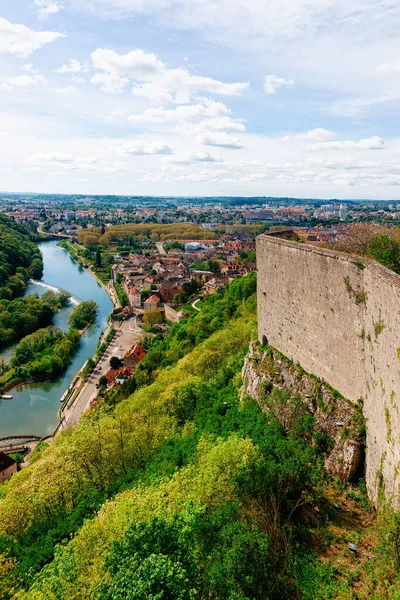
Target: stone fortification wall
<point>339,317</point>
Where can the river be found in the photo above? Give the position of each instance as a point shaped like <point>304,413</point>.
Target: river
<point>33,409</point>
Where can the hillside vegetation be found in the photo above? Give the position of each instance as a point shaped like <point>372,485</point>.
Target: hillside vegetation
<point>172,489</point>
<point>20,258</point>
<point>122,234</point>
<point>375,241</point>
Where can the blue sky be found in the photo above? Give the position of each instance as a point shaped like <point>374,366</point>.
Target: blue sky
<point>191,97</point>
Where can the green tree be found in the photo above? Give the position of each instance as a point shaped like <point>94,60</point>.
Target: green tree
<point>115,362</point>
<point>386,251</point>
<point>83,315</point>
<point>152,317</point>
<point>98,260</point>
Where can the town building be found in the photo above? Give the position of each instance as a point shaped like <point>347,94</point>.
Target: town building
<point>134,356</point>
<point>152,303</point>
<point>8,466</point>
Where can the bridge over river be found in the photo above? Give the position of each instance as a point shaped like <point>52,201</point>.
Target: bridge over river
<point>19,443</point>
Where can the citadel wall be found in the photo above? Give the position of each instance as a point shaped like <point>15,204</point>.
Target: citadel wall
<point>339,317</point>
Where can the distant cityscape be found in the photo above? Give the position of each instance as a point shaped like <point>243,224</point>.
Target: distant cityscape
<point>63,214</point>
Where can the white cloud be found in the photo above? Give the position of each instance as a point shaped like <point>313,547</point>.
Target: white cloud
<point>223,124</point>
<point>73,66</point>
<point>389,68</point>
<point>59,157</point>
<point>222,140</point>
<point>112,84</point>
<point>197,157</point>
<point>192,112</point>
<point>136,64</point>
<point>47,7</point>
<point>358,107</point>
<point>177,85</point>
<point>205,157</point>
<point>63,161</point>
<point>153,80</point>
<point>255,19</point>
<point>373,143</point>
<point>67,90</point>
<point>32,170</point>
<point>347,163</point>
<point>313,135</point>
<point>29,68</point>
<point>22,41</point>
<point>22,82</point>
<point>143,148</point>
<point>190,119</point>
<point>273,82</point>
<point>115,167</point>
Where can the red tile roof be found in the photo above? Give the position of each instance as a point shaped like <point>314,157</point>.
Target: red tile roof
<point>153,300</point>
<point>137,351</point>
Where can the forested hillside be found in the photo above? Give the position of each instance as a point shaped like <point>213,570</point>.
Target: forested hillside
<point>173,489</point>
<point>20,258</point>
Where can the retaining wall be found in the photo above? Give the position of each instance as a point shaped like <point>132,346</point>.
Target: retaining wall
<point>339,317</point>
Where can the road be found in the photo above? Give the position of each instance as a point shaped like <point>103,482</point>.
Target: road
<point>126,335</point>
<point>194,304</point>
<point>109,288</point>
<point>160,249</point>
<point>62,236</point>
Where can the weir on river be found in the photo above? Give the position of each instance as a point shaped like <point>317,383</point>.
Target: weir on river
<point>34,407</point>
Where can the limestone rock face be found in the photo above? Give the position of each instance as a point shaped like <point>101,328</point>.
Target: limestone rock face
<point>265,369</point>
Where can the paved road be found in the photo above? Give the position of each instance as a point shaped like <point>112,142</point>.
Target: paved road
<point>194,304</point>
<point>127,334</point>
<point>160,248</point>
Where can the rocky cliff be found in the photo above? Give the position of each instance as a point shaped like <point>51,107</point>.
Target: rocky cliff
<point>266,370</point>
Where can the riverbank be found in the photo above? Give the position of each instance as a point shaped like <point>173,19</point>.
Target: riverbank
<point>74,254</point>
<point>14,382</point>
<point>42,356</point>
<point>35,404</point>
<point>69,412</point>
<point>110,289</point>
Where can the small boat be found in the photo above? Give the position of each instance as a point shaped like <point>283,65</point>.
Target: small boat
<point>6,397</point>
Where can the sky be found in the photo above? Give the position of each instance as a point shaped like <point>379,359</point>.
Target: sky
<point>201,97</point>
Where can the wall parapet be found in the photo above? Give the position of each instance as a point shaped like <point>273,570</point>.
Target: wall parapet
<point>381,271</point>
<point>341,321</point>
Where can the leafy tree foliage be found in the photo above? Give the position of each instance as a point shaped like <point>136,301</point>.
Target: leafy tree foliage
<point>20,259</point>
<point>45,353</point>
<point>22,316</point>
<point>152,317</point>
<point>115,362</point>
<point>209,265</point>
<point>123,298</point>
<point>83,315</point>
<point>127,234</point>
<point>385,250</point>
<point>98,259</point>
<point>172,488</point>
<point>174,246</point>
<point>248,256</point>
